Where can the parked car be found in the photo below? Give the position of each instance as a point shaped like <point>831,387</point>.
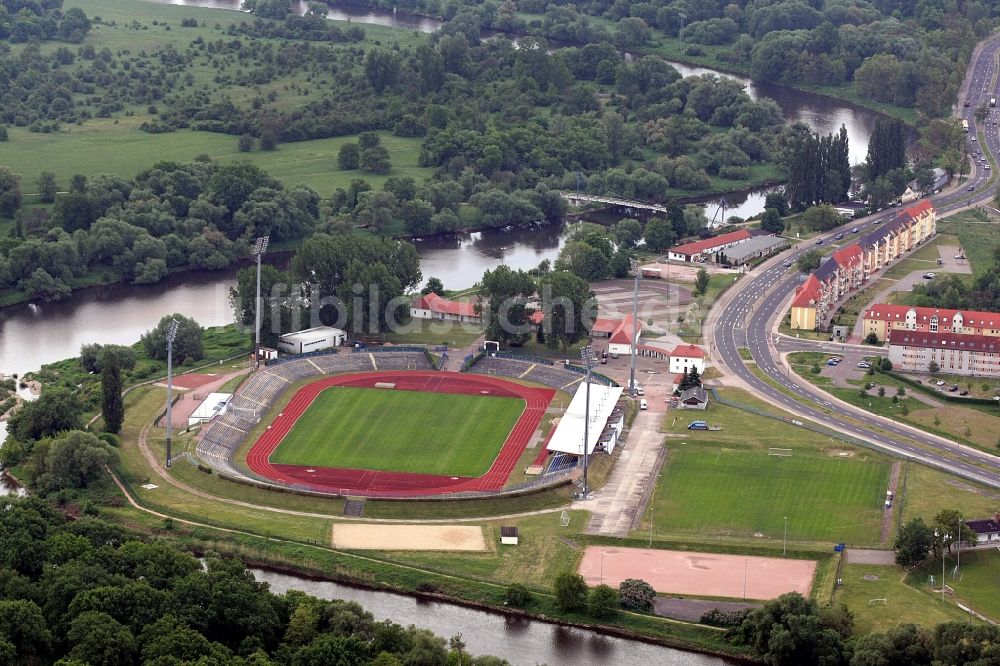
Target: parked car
<point>864,364</point>
<point>929,276</point>
<point>642,404</point>
<point>960,256</point>
<point>698,425</point>
<point>971,187</point>
<point>837,359</point>
<point>939,382</point>
<point>953,388</point>
<point>963,392</point>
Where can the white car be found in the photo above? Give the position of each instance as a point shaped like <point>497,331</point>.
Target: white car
<point>939,382</point>
<point>864,364</point>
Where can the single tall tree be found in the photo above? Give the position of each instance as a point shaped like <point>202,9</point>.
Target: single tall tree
<point>112,402</point>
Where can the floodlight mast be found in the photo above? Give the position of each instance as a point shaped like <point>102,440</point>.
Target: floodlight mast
<point>258,250</point>
<point>171,335</point>
<point>634,264</point>
<point>587,356</point>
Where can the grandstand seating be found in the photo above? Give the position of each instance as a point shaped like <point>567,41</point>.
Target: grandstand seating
<point>227,432</point>
<point>555,376</point>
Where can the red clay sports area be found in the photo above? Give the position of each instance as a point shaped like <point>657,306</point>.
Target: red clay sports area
<point>378,483</point>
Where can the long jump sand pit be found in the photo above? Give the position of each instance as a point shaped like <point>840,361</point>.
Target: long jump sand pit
<point>372,536</point>
<point>701,574</point>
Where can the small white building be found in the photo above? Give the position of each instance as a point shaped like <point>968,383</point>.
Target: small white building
<point>312,340</point>
<point>685,357</point>
<point>213,405</point>
<point>432,306</point>
<point>509,536</point>
<point>620,340</point>
<point>987,531</point>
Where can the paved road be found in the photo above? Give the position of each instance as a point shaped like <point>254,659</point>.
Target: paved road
<point>746,315</point>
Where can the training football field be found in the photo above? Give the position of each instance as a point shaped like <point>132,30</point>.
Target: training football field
<point>400,431</point>
<point>725,492</point>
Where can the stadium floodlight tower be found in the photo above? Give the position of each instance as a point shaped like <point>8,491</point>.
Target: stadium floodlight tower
<point>258,250</point>
<point>634,265</point>
<point>587,356</point>
<point>171,334</point>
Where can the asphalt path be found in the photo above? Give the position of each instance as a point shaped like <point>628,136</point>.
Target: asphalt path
<point>747,315</point>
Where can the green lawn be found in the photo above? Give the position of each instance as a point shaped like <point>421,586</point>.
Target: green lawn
<point>903,602</point>
<point>976,585</point>
<point>400,431</point>
<point>723,484</point>
<point>118,147</point>
<point>727,492</point>
<point>977,237</point>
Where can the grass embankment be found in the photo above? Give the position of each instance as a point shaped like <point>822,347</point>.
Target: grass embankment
<point>975,584</point>
<point>975,425</point>
<point>427,332</point>
<point>724,485</point>
<point>364,428</point>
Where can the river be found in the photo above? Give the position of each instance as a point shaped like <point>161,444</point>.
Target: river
<point>520,641</point>
<point>33,334</point>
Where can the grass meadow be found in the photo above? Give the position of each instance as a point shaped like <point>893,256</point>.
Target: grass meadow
<point>116,145</point>
<point>723,484</point>
<point>400,431</point>
<point>977,583</point>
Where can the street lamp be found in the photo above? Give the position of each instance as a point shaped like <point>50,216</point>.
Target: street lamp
<point>258,250</point>
<point>634,264</point>
<point>587,356</point>
<point>784,544</point>
<point>171,334</point>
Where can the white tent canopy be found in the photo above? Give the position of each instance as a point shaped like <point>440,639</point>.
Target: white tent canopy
<point>568,437</point>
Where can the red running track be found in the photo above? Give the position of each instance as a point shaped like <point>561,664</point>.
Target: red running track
<point>378,483</point>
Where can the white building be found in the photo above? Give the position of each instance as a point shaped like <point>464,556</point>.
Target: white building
<point>685,357</point>
<point>213,405</point>
<point>311,340</point>
<point>568,437</point>
<point>432,306</point>
<point>987,531</point>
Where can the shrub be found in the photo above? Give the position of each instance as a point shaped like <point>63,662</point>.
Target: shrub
<point>636,594</point>
<point>517,595</point>
<point>721,618</point>
<point>570,591</point>
<point>602,601</point>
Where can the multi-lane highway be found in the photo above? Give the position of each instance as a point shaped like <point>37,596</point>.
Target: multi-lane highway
<point>746,315</point>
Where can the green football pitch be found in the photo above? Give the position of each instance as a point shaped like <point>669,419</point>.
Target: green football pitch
<point>740,493</point>
<point>400,431</point>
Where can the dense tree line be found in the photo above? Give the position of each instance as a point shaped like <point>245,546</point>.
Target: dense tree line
<point>171,216</point>
<point>819,169</point>
<point>793,630</point>
<point>907,53</point>
<point>88,591</point>
<point>22,21</point>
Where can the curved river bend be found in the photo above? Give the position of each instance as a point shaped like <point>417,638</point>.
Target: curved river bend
<point>31,335</point>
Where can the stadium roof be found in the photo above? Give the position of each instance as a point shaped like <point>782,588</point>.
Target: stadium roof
<point>698,247</point>
<point>568,437</point>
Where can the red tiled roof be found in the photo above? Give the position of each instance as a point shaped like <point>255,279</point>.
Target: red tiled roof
<point>848,255</point>
<point>807,293</point>
<point>702,245</point>
<point>920,208</point>
<point>624,332</point>
<point>688,351</point>
<point>970,318</point>
<point>436,303</point>
<point>604,325</point>
<point>959,341</point>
